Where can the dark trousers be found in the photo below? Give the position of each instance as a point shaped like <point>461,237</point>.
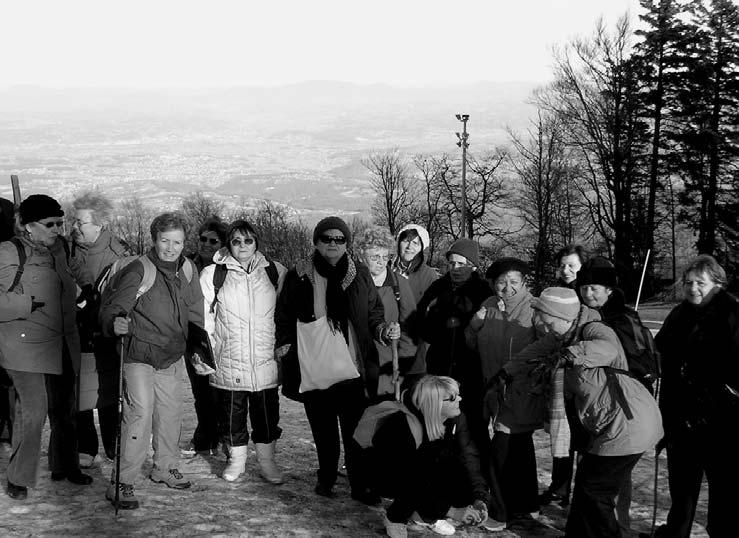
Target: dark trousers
<point>60,392</point>
<point>343,402</point>
<point>597,482</point>
<point>87,436</point>
<point>688,458</point>
<point>262,408</point>
<point>206,432</point>
<point>562,475</point>
<point>7,405</point>
<point>30,414</point>
<point>513,463</point>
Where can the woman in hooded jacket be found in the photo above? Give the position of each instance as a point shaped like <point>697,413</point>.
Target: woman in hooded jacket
<point>239,318</point>
<point>412,241</point>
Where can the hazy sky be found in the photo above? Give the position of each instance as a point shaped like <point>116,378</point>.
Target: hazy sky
<point>157,43</point>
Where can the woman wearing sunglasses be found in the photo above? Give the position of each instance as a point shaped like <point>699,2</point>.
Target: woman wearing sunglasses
<point>373,245</point>
<point>39,344</point>
<point>327,317</point>
<point>239,317</point>
<point>211,237</point>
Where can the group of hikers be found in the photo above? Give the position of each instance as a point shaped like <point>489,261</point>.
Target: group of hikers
<point>434,384</point>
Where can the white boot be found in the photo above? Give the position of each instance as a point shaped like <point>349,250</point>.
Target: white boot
<point>266,459</point>
<point>236,463</point>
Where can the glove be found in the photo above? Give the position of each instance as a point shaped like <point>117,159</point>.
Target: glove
<point>482,509</point>
<point>200,367</point>
<point>35,305</point>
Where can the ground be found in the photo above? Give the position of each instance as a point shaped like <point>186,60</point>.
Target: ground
<point>250,507</point>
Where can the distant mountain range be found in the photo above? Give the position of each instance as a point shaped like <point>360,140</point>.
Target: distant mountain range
<point>299,144</point>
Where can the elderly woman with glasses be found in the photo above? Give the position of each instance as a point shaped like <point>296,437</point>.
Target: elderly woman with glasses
<point>327,317</point>
<point>39,344</point>
<point>373,245</point>
<point>240,289</point>
<point>424,460</point>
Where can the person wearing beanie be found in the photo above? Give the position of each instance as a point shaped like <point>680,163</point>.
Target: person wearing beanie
<point>39,301</point>
<point>412,241</point>
<point>502,327</point>
<point>597,281</point>
<point>443,314</point>
<point>619,417</point>
<point>329,302</point>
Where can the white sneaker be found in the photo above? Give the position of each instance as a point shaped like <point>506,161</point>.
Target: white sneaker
<point>87,461</point>
<point>440,526</point>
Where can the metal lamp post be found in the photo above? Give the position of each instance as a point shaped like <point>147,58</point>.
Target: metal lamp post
<point>462,143</point>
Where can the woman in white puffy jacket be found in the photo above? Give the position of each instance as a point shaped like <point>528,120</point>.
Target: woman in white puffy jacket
<point>240,290</point>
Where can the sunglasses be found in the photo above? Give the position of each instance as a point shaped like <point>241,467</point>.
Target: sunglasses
<point>211,240</point>
<point>452,398</point>
<point>51,224</point>
<point>327,239</point>
<point>247,241</point>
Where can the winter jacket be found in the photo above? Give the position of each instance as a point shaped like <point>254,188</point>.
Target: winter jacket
<point>159,318</point>
<point>88,261</point>
<point>295,303</point>
<point>242,324</point>
<point>497,340</point>
<point>419,278</point>
<point>33,341</point>
<point>594,346</point>
<point>402,468</point>
<point>699,347</point>
<point>443,315</point>
<point>404,312</point>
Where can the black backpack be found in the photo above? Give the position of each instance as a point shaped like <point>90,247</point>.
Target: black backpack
<point>638,343</point>
<point>219,277</point>
<point>22,259</point>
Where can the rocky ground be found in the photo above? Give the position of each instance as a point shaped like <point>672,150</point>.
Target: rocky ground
<point>250,507</point>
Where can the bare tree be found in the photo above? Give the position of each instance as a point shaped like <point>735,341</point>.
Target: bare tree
<point>433,170</point>
<point>132,224</point>
<point>393,188</point>
<point>199,207</point>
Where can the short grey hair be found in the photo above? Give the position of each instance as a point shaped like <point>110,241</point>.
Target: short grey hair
<point>373,237</point>
<point>99,204</point>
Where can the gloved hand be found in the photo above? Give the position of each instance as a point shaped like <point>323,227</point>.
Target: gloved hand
<point>200,367</point>
<point>35,305</point>
<point>482,509</point>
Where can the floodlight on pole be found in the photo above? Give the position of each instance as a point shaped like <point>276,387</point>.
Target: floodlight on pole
<point>462,143</point>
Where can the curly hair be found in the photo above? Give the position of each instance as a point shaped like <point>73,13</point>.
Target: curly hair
<point>167,222</point>
<point>99,204</point>
<point>373,237</point>
<point>214,224</point>
<point>707,264</point>
<point>428,396</point>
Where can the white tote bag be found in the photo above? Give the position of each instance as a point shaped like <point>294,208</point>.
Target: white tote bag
<point>323,356</point>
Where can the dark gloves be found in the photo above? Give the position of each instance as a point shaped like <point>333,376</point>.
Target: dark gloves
<point>35,305</point>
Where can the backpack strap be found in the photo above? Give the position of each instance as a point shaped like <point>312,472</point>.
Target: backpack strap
<point>219,277</point>
<point>617,392</point>
<point>188,269</point>
<point>273,274</point>
<point>21,262</point>
<point>150,274</point>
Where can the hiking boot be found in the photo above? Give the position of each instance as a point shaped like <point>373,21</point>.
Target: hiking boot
<point>76,477</point>
<point>396,530</point>
<point>266,460</point>
<point>324,490</point>
<point>126,498</point>
<point>172,478</point>
<point>19,493</point>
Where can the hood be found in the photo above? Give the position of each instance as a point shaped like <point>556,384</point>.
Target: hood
<point>224,257</point>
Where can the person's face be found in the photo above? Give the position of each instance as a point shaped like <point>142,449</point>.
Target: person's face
<point>548,324</point>
<point>509,284</point>
<point>460,269</point>
<point>331,245</point>
<point>169,245</point>
<point>699,288</point>
<point>450,406</point>
<point>84,229</point>
<point>208,245</point>
<point>568,267</point>
<point>376,259</point>
<point>409,248</point>
<point>242,246</point>
<point>595,295</point>
<point>45,231</point>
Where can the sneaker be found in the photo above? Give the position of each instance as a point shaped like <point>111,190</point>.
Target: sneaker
<point>126,498</point>
<point>87,461</point>
<point>172,478</point>
<point>440,526</point>
<point>396,530</point>
<point>493,525</point>
<point>189,451</point>
<point>19,493</point>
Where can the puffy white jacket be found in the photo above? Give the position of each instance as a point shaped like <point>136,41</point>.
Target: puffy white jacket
<point>241,326</point>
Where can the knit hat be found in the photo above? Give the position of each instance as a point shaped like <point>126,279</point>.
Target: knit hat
<point>332,223</point>
<point>597,270</point>
<point>37,207</point>
<point>467,248</point>
<point>558,302</point>
<point>423,235</point>
<point>503,265</point>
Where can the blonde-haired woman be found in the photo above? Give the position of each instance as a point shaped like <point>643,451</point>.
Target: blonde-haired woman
<point>431,470</point>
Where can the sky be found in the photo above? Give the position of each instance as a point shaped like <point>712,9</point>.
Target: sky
<point>223,43</point>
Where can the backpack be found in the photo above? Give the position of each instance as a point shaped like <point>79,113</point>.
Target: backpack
<point>219,277</point>
<point>638,343</point>
<point>22,259</point>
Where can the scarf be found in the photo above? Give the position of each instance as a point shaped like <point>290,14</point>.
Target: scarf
<point>337,301</point>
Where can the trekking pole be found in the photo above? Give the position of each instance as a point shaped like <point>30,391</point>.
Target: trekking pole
<point>396,369</point>
<point>641,282</point>
<point>118,426</point>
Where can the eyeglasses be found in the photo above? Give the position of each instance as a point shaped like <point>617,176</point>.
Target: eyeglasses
<point>327,239</point>
<point>211,240</point>
<point>377,258</point>
<point>79,223</point>
<point>457,265</point>
<point>236,242</point>
<point>51,224</point>
<point>452,398</point>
